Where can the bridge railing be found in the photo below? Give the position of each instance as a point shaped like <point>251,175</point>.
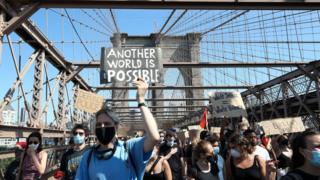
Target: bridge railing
<point>53,162</point>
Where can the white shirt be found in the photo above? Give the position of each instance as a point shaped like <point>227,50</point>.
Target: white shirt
<point>260,151</point>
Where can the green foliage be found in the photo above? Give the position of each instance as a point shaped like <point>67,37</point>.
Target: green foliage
<point>4,163</point>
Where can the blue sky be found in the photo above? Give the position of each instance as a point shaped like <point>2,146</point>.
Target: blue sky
<point>95,28</point>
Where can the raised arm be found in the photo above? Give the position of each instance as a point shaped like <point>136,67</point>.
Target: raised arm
<point>151,128</point>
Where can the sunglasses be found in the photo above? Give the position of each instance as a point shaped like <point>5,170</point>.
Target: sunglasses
<point>33,142</point>
<point>80,133</point>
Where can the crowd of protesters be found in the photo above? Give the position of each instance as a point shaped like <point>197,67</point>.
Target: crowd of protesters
<point>238,153</point>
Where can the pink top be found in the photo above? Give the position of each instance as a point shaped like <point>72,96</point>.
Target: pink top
<point>29,169</point>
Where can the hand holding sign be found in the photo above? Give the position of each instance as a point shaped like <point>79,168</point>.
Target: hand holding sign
<point>142,88</point>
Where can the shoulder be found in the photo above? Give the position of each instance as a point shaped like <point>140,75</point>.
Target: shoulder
<point>134,140</point>
<point>294,175</point>
<point>260,159</point>
<point>43,153</point>
<point>262,152</point>
<point>165,162</point>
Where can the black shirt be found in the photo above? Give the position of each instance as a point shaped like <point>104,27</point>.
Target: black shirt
<point>70,162</point>
<point>250,173</point>
<point>298,174</point>
<point>174,161</point>
<point>12,170</point>
<point>199,175</point>
<point>284,161</point>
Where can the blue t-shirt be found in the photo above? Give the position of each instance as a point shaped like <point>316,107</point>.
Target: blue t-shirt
<point>118,167</point>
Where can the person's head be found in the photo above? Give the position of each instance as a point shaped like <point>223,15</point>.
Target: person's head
<point>214,140</point>
<point>80,133</point>
<point>20,147</point>
<point>251,136</point>
<point>203,151</point>
<point>306,149</point>
<point>243,148</point>
<point>243,126</point>
<point>107,123</point>
<point>204,135</point>
<point>283,142</point>
<point>266,142</point>
<point>171,137</point>
<point>34,141</point>
<point>162,135</point>
<point>232,142</point>
<point>91,143</point>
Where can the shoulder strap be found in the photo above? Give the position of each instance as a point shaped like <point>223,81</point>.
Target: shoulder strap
<point>256,161</point>
<point>89,157</point>
<point>154,164</point>
<point>295,176</point>
<point>130,157</point>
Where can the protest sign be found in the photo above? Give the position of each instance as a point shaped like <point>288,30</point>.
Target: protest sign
<point>227,104</point>
<point>194,127</point>
<point>215,130</point>
<point>282,126</point>
<point>127,64</point>
<point>88,101</point>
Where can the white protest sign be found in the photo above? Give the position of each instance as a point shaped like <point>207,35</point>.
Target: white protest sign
<point>227,104</point>
<point>194,127</point>
<point>282,125</point>
<point>215,130</point>
<point>88,101</point>
<point>127,64</point>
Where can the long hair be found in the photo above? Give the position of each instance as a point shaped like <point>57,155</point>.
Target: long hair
<point>200,149</point>
<point>300,142</point>
<point>245,146</point>
<point>37,135</point>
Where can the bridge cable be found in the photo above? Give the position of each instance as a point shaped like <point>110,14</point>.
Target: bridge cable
<point>168,19</point>
<point>114,20</point>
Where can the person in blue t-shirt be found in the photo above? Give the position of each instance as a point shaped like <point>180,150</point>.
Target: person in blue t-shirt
<point>115,159</point>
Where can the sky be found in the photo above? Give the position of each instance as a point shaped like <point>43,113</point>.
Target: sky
<point>250,38</point>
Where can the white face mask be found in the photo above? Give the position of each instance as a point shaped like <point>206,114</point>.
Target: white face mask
<point>154,153</point>
<point>170,143</point>
<point>235,153</point>
<point>34,146</point>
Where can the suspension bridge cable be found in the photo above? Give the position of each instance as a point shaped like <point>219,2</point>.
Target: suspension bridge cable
<point>101,15</point>
<point>97,22</point>
<point>75,30</point>
<point>114,20</point>
<point>226,22</point>
<point>176,21</point>
<point>80,23</point>
<point>168,19</point>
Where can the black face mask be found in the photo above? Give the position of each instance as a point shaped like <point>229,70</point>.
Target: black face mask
<point>285,142</point>
<point>105,134</point>
<point>209,158</point>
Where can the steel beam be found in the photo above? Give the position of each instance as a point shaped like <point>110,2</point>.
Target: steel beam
<point>17,131</point>
<point>10,92</point>
<point>61,121</point>
<point>35,120</point>
<point>184,99</point>
<point>291,75</point>
<point>161,112</point>
<point>163,107</point>
<point>139,116</point>
<point>32,35</point>
<point>183,4</point>
<point>18,19</point>
<point>174,87</point>
<point>96,64</point>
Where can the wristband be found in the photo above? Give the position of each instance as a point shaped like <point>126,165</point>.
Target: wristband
<point>142,104</point>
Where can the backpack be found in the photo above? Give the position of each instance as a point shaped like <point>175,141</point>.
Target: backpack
<point>131,162</point>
